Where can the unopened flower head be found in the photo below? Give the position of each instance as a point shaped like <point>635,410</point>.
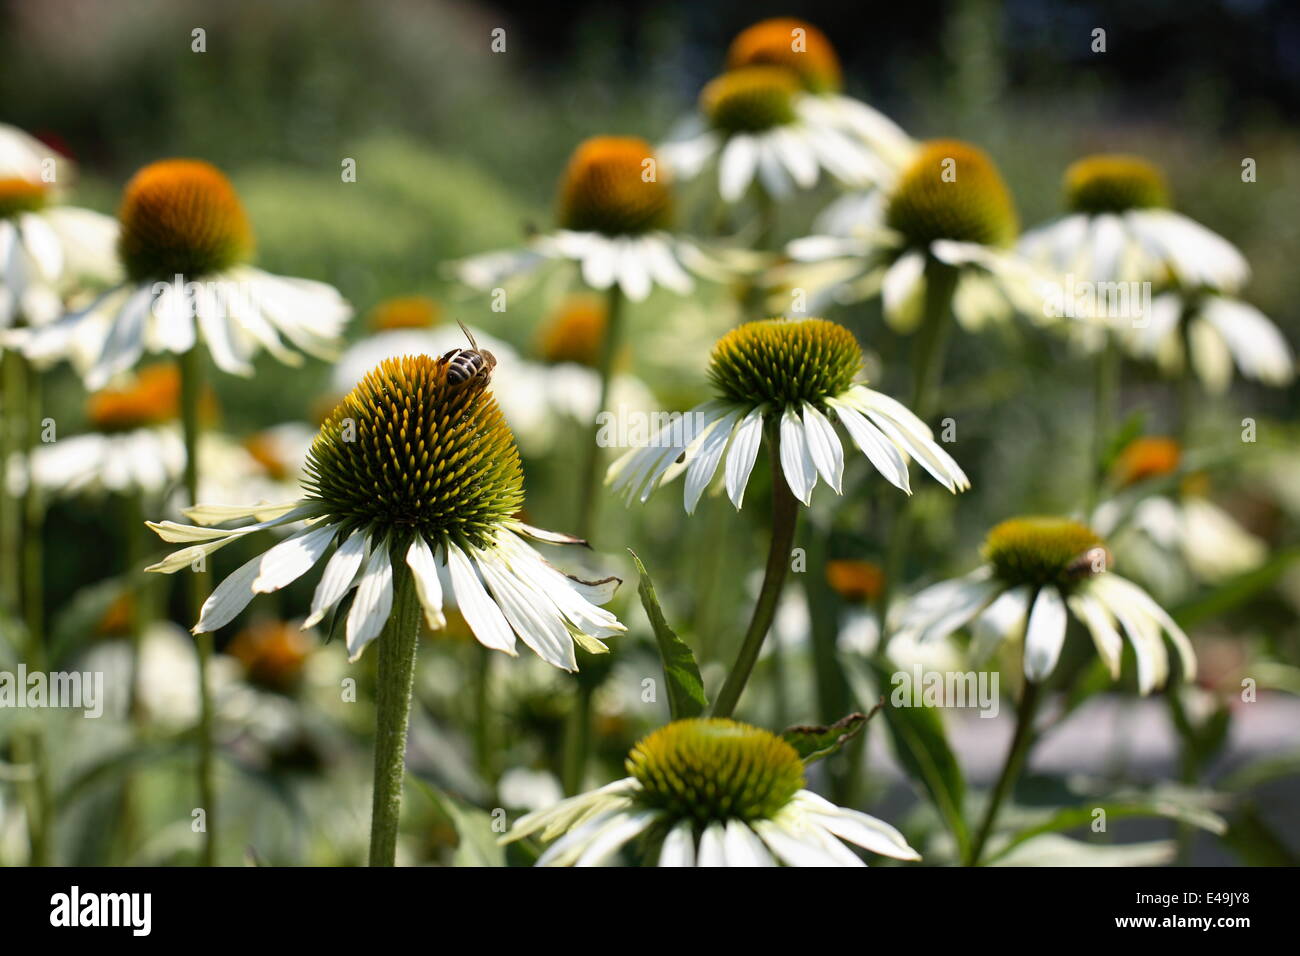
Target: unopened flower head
<point>410,451</point>
<point>575,332</point>
<point>796,45</point>
<point>1039,571</point>
<point>1114,183</point>
<point>1146,457</point>
<point>606,189</point>
<point>404,312</point>
<point>952,190</point>
<point>412,467</point>
<point>855,581</point>
<point>710,792</point>
<point>153,398</point>
<point>797,376</point>
<point>182,217</point>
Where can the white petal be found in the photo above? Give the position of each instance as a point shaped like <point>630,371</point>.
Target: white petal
<point>293,557</point>
<point>339,573</point>
<point>882,453</point>
<point>1110,646</point>
<point>230,597</point>
<point>373,603</point>
<point>824,447</point>
<point>901,291</point>
<point>679,846</point>
<point>707,454</point>
<point>424,571</point>
<point>1045,634</point>
<point>742,847</point>
<point>796,463</point>
<point>480,611</point>
<point>744,449</point>
<point>531,614</point>
<point>736,166</point>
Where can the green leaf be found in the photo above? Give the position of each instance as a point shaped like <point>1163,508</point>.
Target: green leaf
<point>1257,843</point>
<point>814,742</point>
<point>1071,818</point>
<point>922,748</point>
<point>1236,591</point>
<point>477,844</point>
<point>686,696</point>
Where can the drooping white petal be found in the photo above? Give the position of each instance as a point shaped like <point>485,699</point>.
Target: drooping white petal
<point>707,454</point>
<point>856,827</point>
<point>480,611</point>
<point>744,449</point>
<point>742,847</point>
<point>679,846</point>
<point>882,453</point>
<point>736,166</point>
<point>712,847</point>
<point>1045,634</point>
<point>340,571</point>
<point>796,463</point>
<point>293,557</point>
<point>1110,646</point>
<point>824,447</point>
<point>428,587</point>
<point>229,598</point>
<point>533,616</point>
<point>901,291</point>
<point>373,603</point>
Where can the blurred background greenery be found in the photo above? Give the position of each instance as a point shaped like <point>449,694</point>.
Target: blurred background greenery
<point>458,150</point>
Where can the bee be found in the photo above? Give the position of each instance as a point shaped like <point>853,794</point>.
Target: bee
<point>470,363</point>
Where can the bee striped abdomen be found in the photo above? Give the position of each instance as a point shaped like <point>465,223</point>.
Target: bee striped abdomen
<point>465,364</point>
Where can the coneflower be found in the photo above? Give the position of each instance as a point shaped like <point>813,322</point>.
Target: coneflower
<point>415,481</point>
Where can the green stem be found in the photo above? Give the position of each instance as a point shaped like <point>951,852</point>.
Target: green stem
<point>191,389</point>
<point>927,375</point>
<point>397,648</point>
<point>483,736</point>
<point>1186,382</point>
<point>11,424</point>
<point>1105,403</point>
<point>590,485</point>
<point>1011,767</point>
<point>577,740</point>
<point>785,518</point>
<point>33,525</point>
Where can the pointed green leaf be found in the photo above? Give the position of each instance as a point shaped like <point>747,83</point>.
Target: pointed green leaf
<point>686,696</point>
<point>815,742</point>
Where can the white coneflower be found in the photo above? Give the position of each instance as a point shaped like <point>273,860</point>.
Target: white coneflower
<point>802,48</point>
<point>1121,229</point>
<point>710,792</point>
<point>949,207</point>
<point>48,251</point>
<point>614,221</point>
<point>1219,331</point>
<point>758,124</point>
<point>184,245</point>
<point>1201,538</point>
<point>794,378</point>
<point>411,473</point>
<point>1039,572</point>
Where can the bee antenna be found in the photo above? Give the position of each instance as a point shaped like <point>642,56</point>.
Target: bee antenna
<point>468,335</point>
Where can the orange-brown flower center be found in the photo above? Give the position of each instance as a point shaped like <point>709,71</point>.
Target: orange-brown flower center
<point>19,195</point>
<point>152,399</point>
<point>793,44</point>
<point>575,332</point>
<point>855,580</point>
<point>273,654</point>
<point>182,217</point>
<point>405,312</point>
<point>613,185</point>
<point>1145,458</point>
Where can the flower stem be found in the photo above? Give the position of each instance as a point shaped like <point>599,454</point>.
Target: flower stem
<point>33,525</point>
<point>1105,402</point>
<point>397,650</point>
<point>191,389</point>
<point>11,425</point>
<point>589,487</point>
<point>927,373</point>
<point>785,518</point>
<point>483,723</point>
<point>577,740</point>
<point>1011,767</point>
